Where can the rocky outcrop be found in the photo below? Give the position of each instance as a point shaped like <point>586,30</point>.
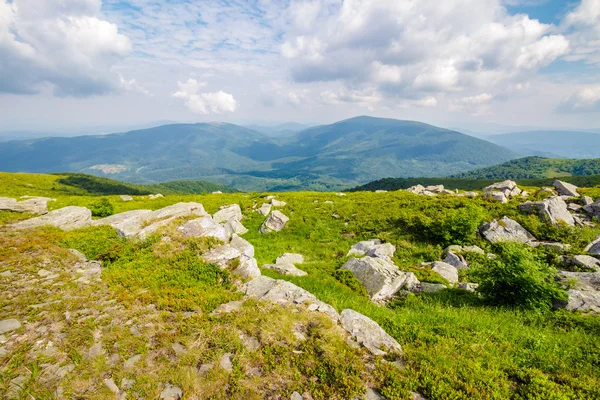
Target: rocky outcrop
<point>456,260</point>
<point>228,213</point>
<point>583,261</point>
<point>222,255</point>
<point>381,278</point>
<point>275,222</point>
<point>369,334</point>
<point>552,209</point>
<point>66,218</point>
<point>34,205</point>
<point>585,295</point>
<point>242,245</point>
<point>235,226</point>
<point>566,189</point>
<point>508,188</point>
<point>373,248</point>
<point>497,196</point>
<point>247,268</point>
<point>204,227</point>
<point>278,203</point>
<point>505,230</point>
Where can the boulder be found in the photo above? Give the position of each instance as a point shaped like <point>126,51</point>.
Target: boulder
<point>228,213</point>
<point>469,287</point>
<point>34,205</point>
<point>455,260</point>
<point>380,276</point>
<point>9,325</point>
<point>426,287</point>
<point>285,269</point>
<point>66,218</point>
<point>368,333</point>
<point>587,200</point>
<point>373,248</point>
<point>278,203</point>
<point>497,196</point>
<point>583,261</point>
<point>505,230</point>
<point>275,222</point>
<point>235,226</point>
<point>126,197</point>
<point>554,246</point>
<point>435,189</point>
<point>222,255</point>
<point>446,270</point>
<point>265,209</point>
<point>244,247</point>
<point>171,392</point>
<point>579,300</point>
<point>594,247</point>
<point>248,268</point>
<point>153,227</point>
<point>574,207</point>
<point>508,188</point>
<point>155,196</point>
<point>586,281</point>
<point>553,209</point>
<point>290,258</point>
<point>204,227</point>
<point>565,189</point>
<point>417,189</point>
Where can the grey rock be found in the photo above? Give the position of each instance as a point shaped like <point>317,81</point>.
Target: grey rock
<point>340,194</point>
<point>151,229</point>
<point>111,385</point>
<point>470,287</point>
<point>373,395</point>
<point>578,300</point>
<point>373,248</point>
<point>584,261</point>
<point>205,368</point>
<point>565,189</point>
<point>225,362</point>
<point>155,196</point>
<point>34,205</point>
<point>66,218</point>
<point>250,343</point>
<point>296,396</point>
<point>260,286</point>
<point>368,333</point>
<point>586,281</point>
<point>435,188</point>
<point>127,384</point>
<point>275,222</point>
<point>553,209</point>
<point>560,247</point>
<point>242,245</point>
<point>171,392</point>
<point>497,196</point>
<point>178,348</point>
<point>446,270</point>
<point>9,325</point>
<point>265,209</point>
<point>594,247</point>
<point>95,351</point>
<point>131,361</point>
<point>228,213</point>
<point>417,189</point>
<point>587,200</point>
<point>278,203</point>
<point>236,227</point>
<point>290,258</point>
<point>427,287</point>
<point>6,274</point>
<point>505,230</point>
<point>248,268</point>
<point>456,261</point>
<point>506,187</point>
<point>230,307</point>
<point>204,227</point>
<point>285,269</point>
<point>222,255</point>
<point>380,276</point>
<point>573,207</point>
<point>125,197</point>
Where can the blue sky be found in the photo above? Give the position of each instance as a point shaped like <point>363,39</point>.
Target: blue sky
<point>460,63</point>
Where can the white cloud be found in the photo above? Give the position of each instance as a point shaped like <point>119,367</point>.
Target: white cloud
<point>62,43</point>
<point>584,100</point>
<point>584,26</point>
<point>204,103</point>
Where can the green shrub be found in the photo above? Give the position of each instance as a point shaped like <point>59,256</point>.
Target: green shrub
<point>102,208</point>
<point>517,277</point>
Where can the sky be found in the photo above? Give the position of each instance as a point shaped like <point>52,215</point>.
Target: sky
<point>467,64</point>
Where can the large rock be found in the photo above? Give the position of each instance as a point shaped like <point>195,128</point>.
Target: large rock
<point>242,245</point>
<point>447,271</point>
<point>508,188</point>
<point>34,205</point>
<point>552,209</point>
<point>505,230</point>
<point>285,268</point>
<point>290,258</point>
<point>417,189</point>
<point>204,227</point>
<point>9,325</point>
<point>582,301</point>
<point>565,189</point>
<point>222,255</point>
<point>456,260</point>
<point>373,248</point>
<point>497,196</point>
<point>228,213</point>
<point>66,218</point>
<point>380,276</point>
<point>265,209</point>
<point>594,247</point>
<point>588,281</point>
<point>235,226</point>
<point>584,261</point>
<point>368,333</point>
<point>275,222</point>
<point>248,268</point>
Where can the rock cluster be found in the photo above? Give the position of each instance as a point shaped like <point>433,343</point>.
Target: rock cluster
<point>553,209</point>
<point>432,190</point>
<point>502,191</point>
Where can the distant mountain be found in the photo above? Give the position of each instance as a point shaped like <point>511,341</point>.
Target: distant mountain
<point>284,130</point>
<point>535,167</point>
<point>569,144</point>
<point>335,156</point>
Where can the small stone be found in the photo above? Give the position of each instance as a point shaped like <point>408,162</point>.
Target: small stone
<point>250,342</point>
<point>171,392</point>
<point>132,361</point>
<point>205,368</point>
<point>3,339</point>
<point>44,273</point>
<point>373,395</point>
<point>229,307</point>
<point>6,274</point>
<point>296,396</point>
<point>9,325</point>
<point>127,384</point>
<point>226,363</point>
<point>111,385</point>
<point>178,348</point>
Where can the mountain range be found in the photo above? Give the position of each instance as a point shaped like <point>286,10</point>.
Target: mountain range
<point>551,143</point>
<point>327,157</point>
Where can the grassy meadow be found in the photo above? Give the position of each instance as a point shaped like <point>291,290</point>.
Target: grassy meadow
<point>455,345</point>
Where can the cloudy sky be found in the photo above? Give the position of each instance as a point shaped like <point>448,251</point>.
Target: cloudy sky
<point>451,63</point>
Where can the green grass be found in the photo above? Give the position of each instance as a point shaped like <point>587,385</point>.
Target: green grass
<point>455,346</point>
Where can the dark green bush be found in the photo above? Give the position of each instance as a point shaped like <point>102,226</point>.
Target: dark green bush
<point>517,277</point>
<point>102,208</point>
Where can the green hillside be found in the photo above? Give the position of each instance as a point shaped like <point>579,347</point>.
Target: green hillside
<point>534,168</point>
<point>149,323</point>
<point>329,157</point>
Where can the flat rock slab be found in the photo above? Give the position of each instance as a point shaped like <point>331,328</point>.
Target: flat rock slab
<point>566,189</point>
<point>368,333</point>
<point>204,227</point>
<point>66,218</point>
<point>9,325</point>
<point>290,258</point>
<point>373,248</point>
<point>222,255</point>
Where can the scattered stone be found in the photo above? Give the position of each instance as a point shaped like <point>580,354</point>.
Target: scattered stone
<point>95,351</point>
<point>427,287</point>
<point>381,191</point>
<point>290,258</point>
<point>228,213</point>
<point>497,196</point>
<point>574,207</point>
<point>126,197</point>
<point>222,255</point>
<point>204,227</point>
<point>268,198</point>
<point>586,281</point>
<point>584,261</point>
<point>44,273</point>
<point>367,332</point>
<point>265,209</point>
<point>127,384</point>
<point>285,269</point>
<point>225,362</point>
<point>594,247</point>
<point>217,192</point>
<point>229,307</point>
<point>446,270</point>
<point>34,205</point>
<point>131,361</point>
<point>456,261</point>
<point>66,218</point>
<point>507,188</point>
<point>587,200</point>
<point>505,230</point>
<point>155,196</point>
<point>380,276</point>
<point>278,203</point>
<point>178,348</point>
<point>111,385</point>
<point>296,396</point>
<point>275,222</point>
<point>15,387</point>
<point>373,248</point>
<point>6,274</point>
<point>470,287</point>
<point>555,246</point>
<point>205,368</point>
<point>565,189</point>
<point>248,268</point>
<point>171,392</point>
<point>235,226</point>
<point>340,194</point>
<point>373,395</point>
<point>553,209</point>
<point>250,343</point>
<point>9,325</point>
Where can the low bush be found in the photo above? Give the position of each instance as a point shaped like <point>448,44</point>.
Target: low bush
<point>102,208</point>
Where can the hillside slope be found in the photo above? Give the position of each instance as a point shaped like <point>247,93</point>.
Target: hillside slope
<point>570,144</point>
<point>333,156</point>
<point>535,167</point>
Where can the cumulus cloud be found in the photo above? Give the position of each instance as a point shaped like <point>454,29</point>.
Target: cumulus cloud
<point>204,103</point>
<point>475,105</point>
<point>584,100</point>
<point>416,49</point>
<point>62,43</point>
<point>583,24</point>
